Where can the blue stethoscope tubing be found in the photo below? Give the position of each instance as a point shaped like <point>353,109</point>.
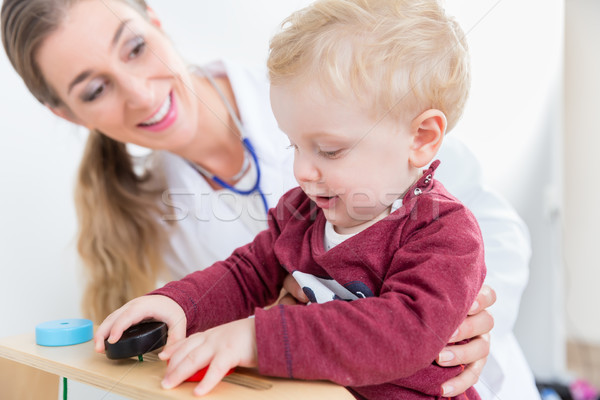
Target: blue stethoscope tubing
<point>247,145</point>
<point>256,187</point>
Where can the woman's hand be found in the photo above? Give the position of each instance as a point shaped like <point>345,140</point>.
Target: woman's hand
<point>160,308</point>
<point>477,327</point>
<point>294,293</point>
<point>221,348</point>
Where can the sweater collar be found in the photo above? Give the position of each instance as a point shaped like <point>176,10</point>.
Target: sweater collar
<point>423,185</point>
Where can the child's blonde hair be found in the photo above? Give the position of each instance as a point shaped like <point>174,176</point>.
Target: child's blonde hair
<point>396,56</point>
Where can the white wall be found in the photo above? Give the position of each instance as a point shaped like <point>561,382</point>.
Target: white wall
<point>582,195</point>
<point>38,157</point>
<point>512,123</point>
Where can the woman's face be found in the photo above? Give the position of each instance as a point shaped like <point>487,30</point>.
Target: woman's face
<point>117,72</point>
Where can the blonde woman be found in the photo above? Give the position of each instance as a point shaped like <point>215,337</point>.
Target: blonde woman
<point>108,66</point>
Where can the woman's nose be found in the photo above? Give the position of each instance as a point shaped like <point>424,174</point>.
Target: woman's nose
<point>137,92</point>
<point>305,169</point>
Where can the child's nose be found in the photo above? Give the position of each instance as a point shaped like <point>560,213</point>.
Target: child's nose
<point>305,170</point>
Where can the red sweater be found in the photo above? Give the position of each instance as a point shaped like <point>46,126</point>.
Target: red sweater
<point>416,274</point>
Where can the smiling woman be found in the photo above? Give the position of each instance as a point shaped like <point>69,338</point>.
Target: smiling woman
<point>123,86</point>
<point>129,86</point>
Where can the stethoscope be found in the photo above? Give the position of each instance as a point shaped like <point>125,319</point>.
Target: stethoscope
<point>247,147</point>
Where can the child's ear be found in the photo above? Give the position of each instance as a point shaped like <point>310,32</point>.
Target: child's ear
<point>427,132</point>
<point>153,17</point>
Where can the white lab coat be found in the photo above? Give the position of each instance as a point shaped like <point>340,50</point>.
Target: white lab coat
<point>507,251</point>
<point>208,230</point>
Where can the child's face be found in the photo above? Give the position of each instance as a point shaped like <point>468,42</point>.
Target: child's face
<point>352,165</point>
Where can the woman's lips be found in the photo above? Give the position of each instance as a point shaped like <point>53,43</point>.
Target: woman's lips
<point>163,118</point>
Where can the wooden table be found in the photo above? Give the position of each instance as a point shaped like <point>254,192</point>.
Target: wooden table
<point>131,378</point>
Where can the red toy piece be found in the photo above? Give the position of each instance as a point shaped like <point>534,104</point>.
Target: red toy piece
<point>197,377</point>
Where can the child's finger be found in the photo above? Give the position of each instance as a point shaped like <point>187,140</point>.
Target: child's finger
<point>186,367</point>
<point>103,331</point>
<point>169,349</point>
<point>99,341</point>
<point>218,368</point>
<point>293,288</point>
<point>177,331</point>
<point>190,349</point>
<point>124,321</point>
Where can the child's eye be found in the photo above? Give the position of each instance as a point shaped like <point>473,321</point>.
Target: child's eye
<point>292,146</point>
<point>330,154</point>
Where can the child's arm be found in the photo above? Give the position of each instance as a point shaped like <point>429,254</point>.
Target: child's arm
<point>229,290</point>
<point>250,278</point>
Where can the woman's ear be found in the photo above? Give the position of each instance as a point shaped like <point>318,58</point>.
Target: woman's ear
<point>427,132</point>
<point>153,17</point>
<point>64,113</point>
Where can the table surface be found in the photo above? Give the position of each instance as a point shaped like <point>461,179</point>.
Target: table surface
<point>131,378</point>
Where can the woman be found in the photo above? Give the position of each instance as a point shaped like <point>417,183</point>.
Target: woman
<point>108,66</point>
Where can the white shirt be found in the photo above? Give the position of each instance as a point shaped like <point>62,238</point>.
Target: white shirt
<point>331,238</point>
<point>208,228</point>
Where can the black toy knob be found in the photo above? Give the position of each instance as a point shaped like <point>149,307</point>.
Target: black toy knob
<point>137,340</point>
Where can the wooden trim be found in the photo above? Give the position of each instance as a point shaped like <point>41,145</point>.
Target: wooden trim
<point>141,380</point>
<point>19,381</point>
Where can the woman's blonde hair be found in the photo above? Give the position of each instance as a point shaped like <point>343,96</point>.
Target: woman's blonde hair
<point>120,237</point>
<point>396,56</point>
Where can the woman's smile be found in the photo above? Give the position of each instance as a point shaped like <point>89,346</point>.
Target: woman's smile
<point>163,118</point>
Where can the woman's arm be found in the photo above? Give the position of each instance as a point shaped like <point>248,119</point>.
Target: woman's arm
<point>476,327</point>
<point>507,253</point>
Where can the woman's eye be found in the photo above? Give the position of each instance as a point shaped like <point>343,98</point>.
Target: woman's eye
<point>139,46</point>
<point>91,96</point>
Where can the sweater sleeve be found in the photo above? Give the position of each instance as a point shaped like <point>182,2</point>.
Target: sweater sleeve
<point>431,283</point>
<point>231,289</point>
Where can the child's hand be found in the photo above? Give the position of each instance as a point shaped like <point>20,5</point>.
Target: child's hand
<point>223,347</point>
<point>294,295</point>
<point>160,308</point>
